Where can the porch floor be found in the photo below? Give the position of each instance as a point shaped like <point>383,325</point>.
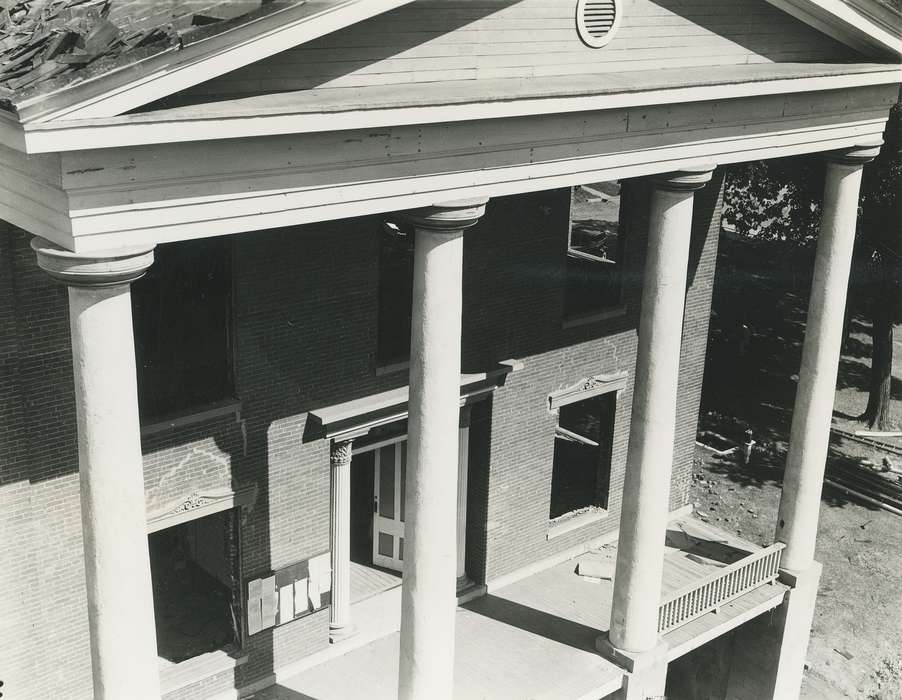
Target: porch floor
<point>367,581</point>
<point>541,630</point>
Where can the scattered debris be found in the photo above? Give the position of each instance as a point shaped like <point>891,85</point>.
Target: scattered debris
<point>596,569</point>
<point>53,43</point>
<point>716,443</point>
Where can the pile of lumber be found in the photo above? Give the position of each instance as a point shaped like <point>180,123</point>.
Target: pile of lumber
<point>879,486</point>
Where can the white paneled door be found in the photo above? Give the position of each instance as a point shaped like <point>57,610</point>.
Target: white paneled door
<point>388,505</point>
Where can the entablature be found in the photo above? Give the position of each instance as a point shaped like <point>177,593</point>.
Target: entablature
<point>147,193</point>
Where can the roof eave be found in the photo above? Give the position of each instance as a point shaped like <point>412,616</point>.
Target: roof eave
<point>848,24</point>
<point>160,127</point>
<point>161,75</point>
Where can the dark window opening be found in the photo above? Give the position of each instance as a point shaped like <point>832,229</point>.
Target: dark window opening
<point>196,586</point>
<point>583,441</point>
<point>182,313</point>
<point>395,295</point>
<point>595,250</point>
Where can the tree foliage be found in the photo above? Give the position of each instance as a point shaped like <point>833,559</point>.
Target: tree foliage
<point>781,200</point>
<point>775,200</point>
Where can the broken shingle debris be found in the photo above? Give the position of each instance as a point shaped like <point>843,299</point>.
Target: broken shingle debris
<point>50,44</point>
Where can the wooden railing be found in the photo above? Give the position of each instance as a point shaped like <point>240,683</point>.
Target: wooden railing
<point>720,587</point>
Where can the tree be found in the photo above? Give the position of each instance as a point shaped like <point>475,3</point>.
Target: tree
<point>879,270</point>
<point>780,200</point>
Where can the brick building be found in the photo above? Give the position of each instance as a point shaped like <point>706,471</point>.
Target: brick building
<point>274,235</point>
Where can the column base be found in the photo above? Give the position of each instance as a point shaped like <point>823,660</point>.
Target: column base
<point>769,652</point>
<point>645,672</point>
<point>340,634</point>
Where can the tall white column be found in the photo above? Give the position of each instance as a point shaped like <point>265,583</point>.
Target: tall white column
<point>462,467</point>
<point>810,433</point>
<point>646,490</point>
<point>428,598</point>
<point>117,562</point>
<point>340,626</point>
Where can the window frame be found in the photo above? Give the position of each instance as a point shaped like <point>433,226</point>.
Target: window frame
<point>228,403</point>
<point>608,310</point>
<point>587,389</point>
<point>396,362</point>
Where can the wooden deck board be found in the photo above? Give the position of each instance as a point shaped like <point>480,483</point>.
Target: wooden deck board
<point>367,581</point>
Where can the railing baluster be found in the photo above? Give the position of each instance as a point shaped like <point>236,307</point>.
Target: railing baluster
<point>714,590</point>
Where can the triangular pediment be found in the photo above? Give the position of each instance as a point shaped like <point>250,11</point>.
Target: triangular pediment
<point>426,42</point>
<point>243,47</point>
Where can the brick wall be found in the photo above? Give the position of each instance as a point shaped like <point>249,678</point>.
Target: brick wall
<point>43,643</point>
<point>516,310</point>
<point>305,337</point>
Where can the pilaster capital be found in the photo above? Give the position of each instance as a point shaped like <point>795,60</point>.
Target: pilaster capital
<point>340,452</point>
<point>859,154</point>
<point>101,269</point>
<point>448,217</point>
<point>687,180</point>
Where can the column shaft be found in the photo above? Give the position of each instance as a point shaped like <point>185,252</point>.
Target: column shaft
<point>646,491</point>
<point>111,470</point>
<point>462,461</point>
<point>810,433</point>
<point>117,562</point>
<point>340,626</point>
<point>428,600</point>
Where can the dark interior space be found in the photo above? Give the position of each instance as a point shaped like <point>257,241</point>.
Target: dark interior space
<point>194,572</point>
<point>182,318</point>
<point>582,455</point>
<point>362,471</point>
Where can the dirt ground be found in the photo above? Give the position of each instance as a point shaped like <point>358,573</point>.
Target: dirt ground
<point>750,382</point>
<point>857,628</point>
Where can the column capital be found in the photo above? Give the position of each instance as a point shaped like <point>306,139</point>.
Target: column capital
<point>101,269</point>
<point>340,452</point>
<point>859,154</point>
<point>448,216</point>
<point>687,180</point>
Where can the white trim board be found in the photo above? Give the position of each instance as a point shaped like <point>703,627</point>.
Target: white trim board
<point>168,192</point>
<point>103,228</point>
<point>306,116</point>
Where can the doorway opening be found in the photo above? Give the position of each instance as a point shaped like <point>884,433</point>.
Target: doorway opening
<point>377,518</point>
<point>196,586</point>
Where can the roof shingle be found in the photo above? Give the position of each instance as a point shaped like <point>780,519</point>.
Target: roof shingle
<point>49,44</point>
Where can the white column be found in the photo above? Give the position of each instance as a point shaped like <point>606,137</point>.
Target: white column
<point>340,626</point>
<point>646,490</point>
<point>428,598</point>
<point>462,469</point>
<point>117,563</point>
<point>810,434</point>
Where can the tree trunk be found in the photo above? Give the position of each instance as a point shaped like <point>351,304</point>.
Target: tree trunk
<point>877,413</point>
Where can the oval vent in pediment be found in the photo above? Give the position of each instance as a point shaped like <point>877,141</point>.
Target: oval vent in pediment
<point>597,21</point>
